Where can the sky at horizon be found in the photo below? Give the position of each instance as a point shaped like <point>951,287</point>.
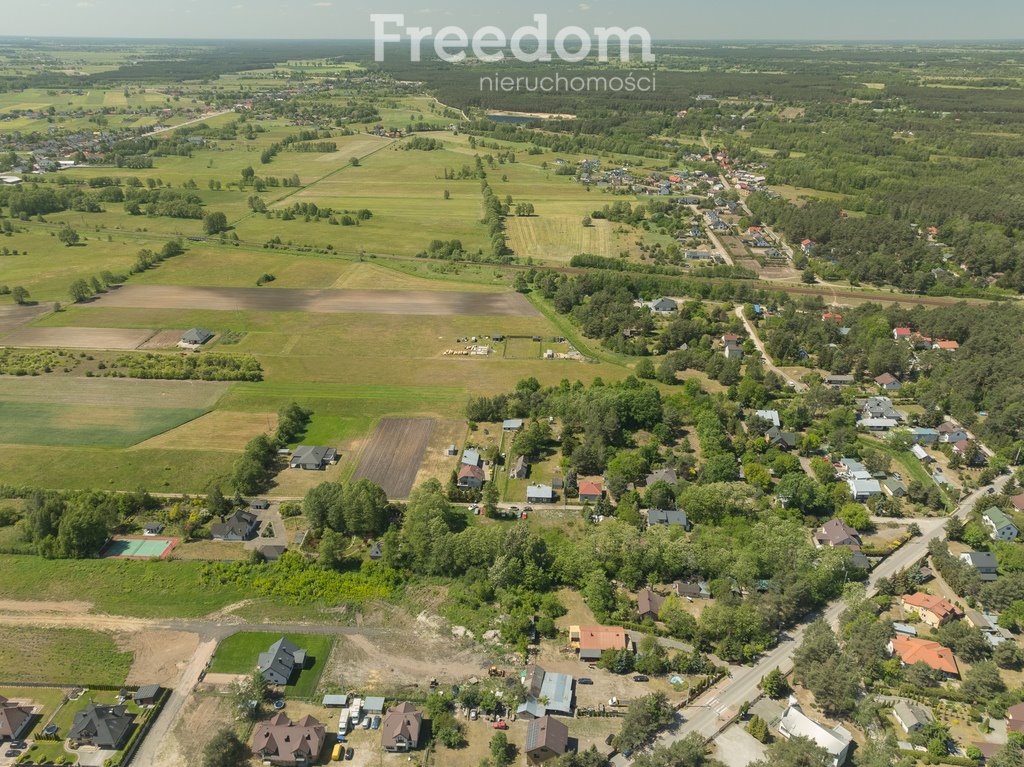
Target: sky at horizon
<point>746,20</point>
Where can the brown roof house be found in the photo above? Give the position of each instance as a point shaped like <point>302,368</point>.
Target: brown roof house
<point>1015,718</point>
<point>546,738</point>
<point>279,740</point>
<point>591,641</point>
<point>648,604</point>
<point>401,728</point>
<point>14,719</point>
<point>835,533</point>
<point>933,610</point>
<point>471,476</point>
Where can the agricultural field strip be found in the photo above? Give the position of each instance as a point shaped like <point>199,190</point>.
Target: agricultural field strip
<point>123,339</point>
<point>319,301</point>
<point>113,392</point>
<point>394,453</point>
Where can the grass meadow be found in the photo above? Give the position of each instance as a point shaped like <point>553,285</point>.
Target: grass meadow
<point>238,654</point>
<point>61,656</point>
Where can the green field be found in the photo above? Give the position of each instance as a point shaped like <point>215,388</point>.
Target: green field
<point>147,589</point>
<point>61,656</point>
<point>69,425</point>
<point>238,653</point>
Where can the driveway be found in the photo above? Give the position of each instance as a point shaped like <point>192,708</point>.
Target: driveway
<point>770,364</point>
<point>738,748</point>
<point>269,518</point>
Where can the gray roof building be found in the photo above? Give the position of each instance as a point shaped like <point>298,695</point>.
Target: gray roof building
<point>196,336</point>
<point>667,517</point>
<point>312,457</point>
<point>102,726</point>
<point>240,526</point>
<point>546,738</point>
<point>279,662</point>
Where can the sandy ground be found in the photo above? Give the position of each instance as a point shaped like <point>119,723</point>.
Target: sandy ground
<point>201,717</point>
<point>319,301</point>
<point>436,463</point>
<point>393,456</point>
<point>78,338</point>
<point>16,606</point>
<point>160,656</point>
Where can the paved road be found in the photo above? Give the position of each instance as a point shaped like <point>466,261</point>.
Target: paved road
<point>770,364</point>
<point>205,117</point>
<point>713,709</point>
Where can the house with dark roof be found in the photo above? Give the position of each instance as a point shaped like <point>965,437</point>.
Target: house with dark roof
<point>784,440</point>
<point>546,738</point>
<point>400,730</point>
<point>240,526</point>
<point>195,337</point>
<point>950,432</point>
<point>281,741</point>
<point>835,533</point>
<point>984,562</point>
<point>282,659</point>
<point>667,474</point>
<point>692,589</point>
<point>152,528</point>
<point>147,695</point>
<point>15,720</point>
<point>101,726</point>
<point>664,306</point>
<point>313,457</point>
<point>520,468</point>
<point>838,380</point>
<point>271,553</point>
<point>667,517</point>
<point>648,603</point>
<point>1015,718</point>
<point>471,476</point>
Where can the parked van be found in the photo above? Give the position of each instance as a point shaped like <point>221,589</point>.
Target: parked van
<point>338,752</point>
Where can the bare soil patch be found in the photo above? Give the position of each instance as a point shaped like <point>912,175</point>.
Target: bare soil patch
<point>78,338</point>
<point>12,317</point>
<point>202,716</point>
<point>160,656</point>
<point>319,301</point>
<point>436,463</point>
<point>393,456</point>
<point>164,339</point>
<point>17,606</point>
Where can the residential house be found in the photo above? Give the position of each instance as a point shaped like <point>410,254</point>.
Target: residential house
<point>512,424</point>
<point>982,561</point>
<point>880,407</point>
<point>923,436</point>
<point>101,726</point>
<point>591,490</point>
<point>240,526</point>
<point>400,730</point>
<point>313,457</point>
<point>888,382</point>
<point>950,346</point>
<point>547,692</point>
<point>667,517</point>
<point>795,723</point>
<point>831,316</point>
<point>281,741</point>
<point>950,432</point>
<point>520,468</point>
<point>911,650</point>
<point>835,533</point>
<point>1015,718</point>
<point>771,416</point>
<point>15,720</point>
<point>921,454</point>
<point>147,695</point>
<point>692,589</point>
<point>862,489</point>
<point>933,610</point>
<point>540,494</point>
<point>731,347</point>
<point>664,306</point>
<point>897,488</point>
<point>878,424</point>
<point>471,456</point>
<point>666,474</point>
<point>648,604</point>
<point>194,338</point>
<point>591,641</point>
<point>271,553</point>
<point>280,661</point>
<point>471,476</point>
<point>911,716</point>
<point>546,738</point>
<point>999,525</point>
<point>902,334</point>
<point>838,380</point>
<point>784,440</point>
<point>1018,502</point>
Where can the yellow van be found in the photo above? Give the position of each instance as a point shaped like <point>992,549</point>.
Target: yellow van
<point>339,752</point>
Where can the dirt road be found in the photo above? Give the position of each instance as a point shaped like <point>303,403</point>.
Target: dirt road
<point>769,363</point>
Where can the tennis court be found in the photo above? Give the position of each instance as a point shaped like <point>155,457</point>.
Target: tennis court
<point>138,547</point>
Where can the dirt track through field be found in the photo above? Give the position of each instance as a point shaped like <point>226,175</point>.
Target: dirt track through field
<point>318,301</point>
<point>394,453</point>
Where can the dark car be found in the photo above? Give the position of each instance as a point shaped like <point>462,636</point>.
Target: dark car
<point>584,680</point>
<point>609,739</point>
<point>12,752</point>
<point>641,678</point>
<point>18,744</point>
<point>349,753</point>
